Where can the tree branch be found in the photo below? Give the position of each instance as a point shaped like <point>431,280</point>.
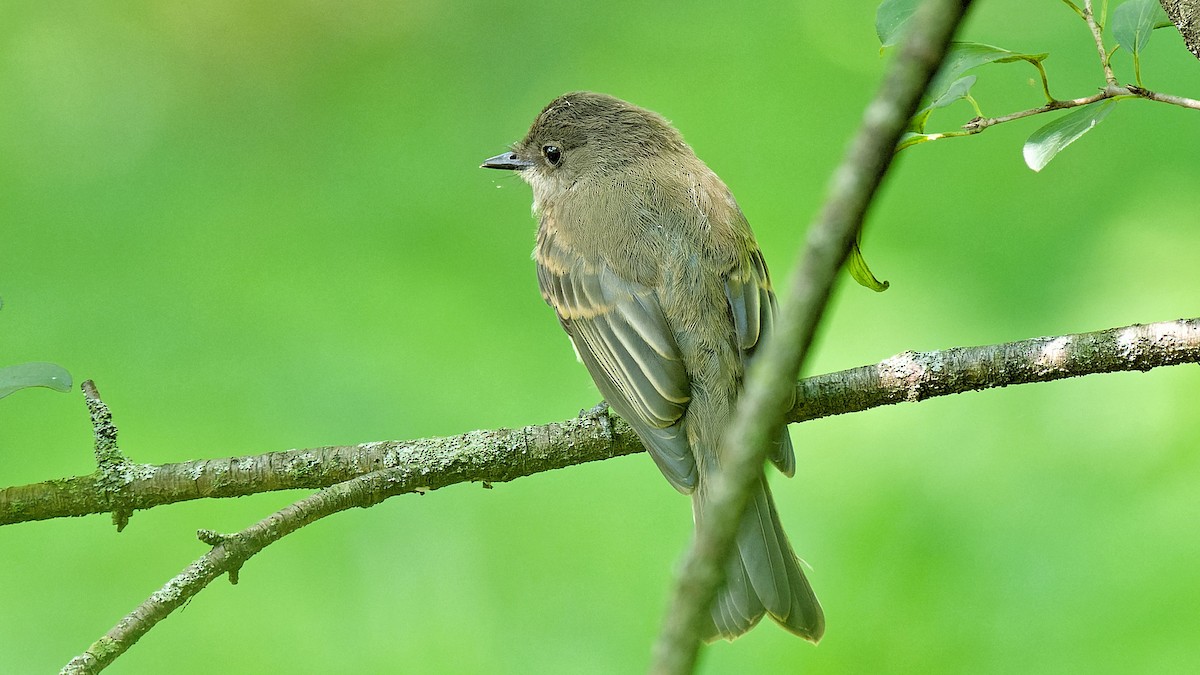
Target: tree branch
<point>490,456</point>
<point>906,377</point>
<point>760,410</point>
<point>916,376</point>
<point>504,454</point>
<point>1185,14</point>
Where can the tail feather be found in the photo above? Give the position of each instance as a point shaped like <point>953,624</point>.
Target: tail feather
<point>764,577</point>
<point>761,549</point>
<point>804,616</point>
<point>735,613</point>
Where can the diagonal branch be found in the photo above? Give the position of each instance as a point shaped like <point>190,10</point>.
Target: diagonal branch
<point>227,556</point>
<point>501,455</point>
<point>760,409</point>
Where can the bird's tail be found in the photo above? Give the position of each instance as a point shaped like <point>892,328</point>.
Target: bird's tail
<point>763,576</point>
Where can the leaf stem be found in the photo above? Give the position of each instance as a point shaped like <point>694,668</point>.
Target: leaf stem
<point>974,104</point>
<point>1076,8</point>
<point>1045,80</point>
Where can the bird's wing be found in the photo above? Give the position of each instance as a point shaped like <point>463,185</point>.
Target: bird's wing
<point>621,335</point>
<point>752,303</point>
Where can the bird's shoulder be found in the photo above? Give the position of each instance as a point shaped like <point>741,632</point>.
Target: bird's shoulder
<point>650,214</point>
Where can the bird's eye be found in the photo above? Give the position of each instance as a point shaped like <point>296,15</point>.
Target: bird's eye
<point>552,154</point>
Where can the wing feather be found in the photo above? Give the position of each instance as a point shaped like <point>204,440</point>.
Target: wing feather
<point>752,305</point>
<point>621,334</point>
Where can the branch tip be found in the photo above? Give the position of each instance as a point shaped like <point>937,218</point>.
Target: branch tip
<point>211,537</point>
<point>114,472</point>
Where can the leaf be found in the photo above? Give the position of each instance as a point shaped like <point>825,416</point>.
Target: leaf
<point>909,139</point>
<point>34,374</point>
<point>958,90</point>
<point>949,85</point>
<point>1051,139</point>
<point>964,56</point>
<point>858,269</point>
<point>1134,21</point>
<point>891,18</point>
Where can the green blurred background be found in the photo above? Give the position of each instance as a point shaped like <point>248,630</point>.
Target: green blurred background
<point>261,226</point>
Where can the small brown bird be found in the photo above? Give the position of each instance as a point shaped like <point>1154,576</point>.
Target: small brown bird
<point>656,278</point>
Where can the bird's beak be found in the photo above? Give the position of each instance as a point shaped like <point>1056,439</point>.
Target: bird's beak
<point>507,160</point>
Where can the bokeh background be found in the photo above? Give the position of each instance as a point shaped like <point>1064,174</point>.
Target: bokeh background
<point>261,226</point>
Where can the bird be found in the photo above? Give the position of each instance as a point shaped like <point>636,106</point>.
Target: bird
<point>655,275</point>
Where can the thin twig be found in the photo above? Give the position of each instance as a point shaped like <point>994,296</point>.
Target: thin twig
<point>979,124</point>
<point>1164,98</point>
<point>227,556</point>
<point>771,378</point>
<point>1090,17</point>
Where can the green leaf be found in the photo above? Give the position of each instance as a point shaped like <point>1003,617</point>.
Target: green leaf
<point>964,56</point>
<point>958,90</point>
<point>890,19</point>
<point>1051,139</point>
<point>909,139</point>
<point>34,374</point>
<point>861,273</point>
<point>949,85</point>
<point>1134,21</point>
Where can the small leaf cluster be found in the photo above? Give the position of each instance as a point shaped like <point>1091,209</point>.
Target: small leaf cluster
<point>1132,24</point>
